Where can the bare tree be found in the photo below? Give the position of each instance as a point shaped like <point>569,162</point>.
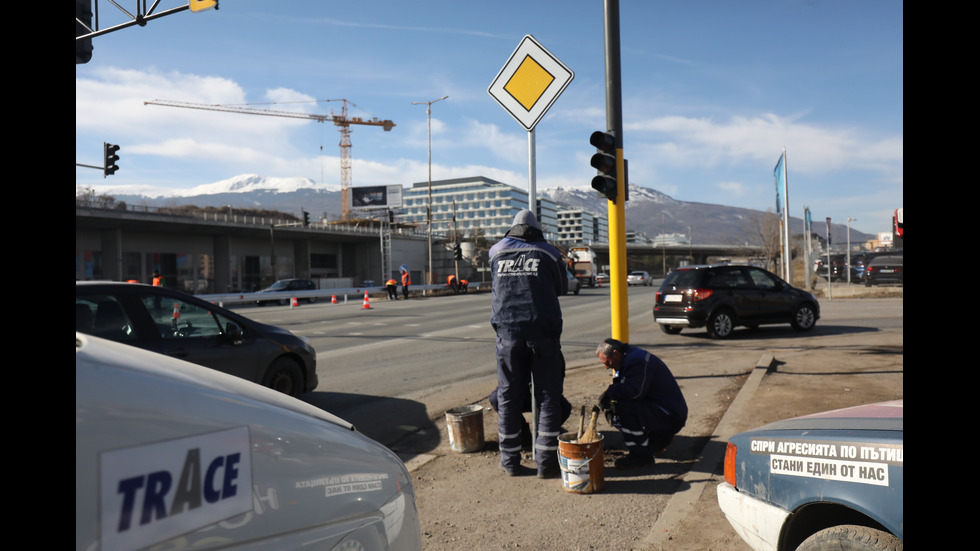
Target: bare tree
<point>765,228</point>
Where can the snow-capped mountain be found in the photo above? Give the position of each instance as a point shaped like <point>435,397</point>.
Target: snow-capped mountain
<point>648,211</point>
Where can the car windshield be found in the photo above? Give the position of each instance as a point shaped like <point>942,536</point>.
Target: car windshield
<point>279,286</point>
<point>684,279</point>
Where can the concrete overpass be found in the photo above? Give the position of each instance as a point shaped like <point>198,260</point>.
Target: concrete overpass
<point>676,254</point>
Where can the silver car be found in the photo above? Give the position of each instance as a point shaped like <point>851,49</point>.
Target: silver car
<point>639,277</point>
<point>172,455</point>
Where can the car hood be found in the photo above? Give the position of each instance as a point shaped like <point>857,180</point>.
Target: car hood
<point>121,357</point>
<point>884,416</point>
<point>264,470</point>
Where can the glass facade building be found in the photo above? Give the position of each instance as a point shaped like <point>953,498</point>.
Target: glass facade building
<point>480,204</point>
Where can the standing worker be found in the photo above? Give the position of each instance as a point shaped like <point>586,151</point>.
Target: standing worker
<point>643,402</point>
<point>157,279</point>
<point>392,286</point>
<point>528,277</point>
<point>406,280</point>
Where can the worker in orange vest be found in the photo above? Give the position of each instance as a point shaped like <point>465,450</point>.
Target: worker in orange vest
<point>452,284</point>
<point>464,285</point>
<point>406,280</point>
<point>157,279</point>
<point>392,285</point>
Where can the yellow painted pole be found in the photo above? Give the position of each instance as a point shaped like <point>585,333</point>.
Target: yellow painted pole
<point>618,299</point>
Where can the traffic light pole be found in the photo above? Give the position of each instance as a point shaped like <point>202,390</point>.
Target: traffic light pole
<point>619,305</point>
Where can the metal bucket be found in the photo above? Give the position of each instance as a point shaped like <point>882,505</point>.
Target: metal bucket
<point>465,425</point>
<point>582,465</point>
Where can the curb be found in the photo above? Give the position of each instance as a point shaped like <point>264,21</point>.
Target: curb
<point>681,503</point>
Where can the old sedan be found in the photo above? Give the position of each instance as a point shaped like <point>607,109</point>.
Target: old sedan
<point>172,455</point>
<point>831,480</point>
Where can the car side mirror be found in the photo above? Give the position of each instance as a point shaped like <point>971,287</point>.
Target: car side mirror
<point>234,333</point>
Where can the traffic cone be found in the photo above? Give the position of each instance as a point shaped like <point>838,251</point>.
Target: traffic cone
<point>293,303</point>
<point>333,299</point>
<point>367,302</point>
<point>176,315</point>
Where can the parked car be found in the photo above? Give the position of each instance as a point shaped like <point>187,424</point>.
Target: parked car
<point>639,277</point>
<point>886,269</point>
<point>721,297</point>
<point>602,278</point>
<point>180,325</point>
<point>832,480</point>
<point>859,264</point>
<point>171,455</point>
<point>835,266</point>
<point>574,285</point>
<point>291,287</point>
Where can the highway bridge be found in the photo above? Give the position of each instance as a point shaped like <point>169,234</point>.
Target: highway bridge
<point>673,255</point>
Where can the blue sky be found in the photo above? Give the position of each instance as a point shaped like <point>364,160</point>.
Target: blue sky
<point>712,92</point>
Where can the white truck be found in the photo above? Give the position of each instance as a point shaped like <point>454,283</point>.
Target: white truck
<point>583,265</point>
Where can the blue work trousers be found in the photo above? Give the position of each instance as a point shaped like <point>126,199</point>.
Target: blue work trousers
<point>518,363</point>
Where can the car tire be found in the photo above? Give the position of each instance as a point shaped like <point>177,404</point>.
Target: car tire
<point>311,300</point>
<point>284,375</point>
<point>804,318</point>
<point>849,537</point>
<point>721,323</point>
<point>670,329</point>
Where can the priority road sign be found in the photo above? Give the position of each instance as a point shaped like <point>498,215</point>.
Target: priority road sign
<point>530,82</point>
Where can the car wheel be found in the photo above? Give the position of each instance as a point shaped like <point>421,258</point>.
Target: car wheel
<point>311,300</point>
<point>804,318</point>
<point>577,289</point>
<point>670,329</point>
<point>721,324</point>
<point>285,376</point>
<point>851,538</point>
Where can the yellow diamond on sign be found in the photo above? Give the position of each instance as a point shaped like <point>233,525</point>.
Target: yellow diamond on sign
<point>529,82</point>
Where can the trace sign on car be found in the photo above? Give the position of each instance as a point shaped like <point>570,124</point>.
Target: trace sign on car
<point>161,490</point>
<point>842,461</point>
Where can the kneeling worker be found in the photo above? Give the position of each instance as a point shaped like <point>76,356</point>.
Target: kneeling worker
<point>643,402</point>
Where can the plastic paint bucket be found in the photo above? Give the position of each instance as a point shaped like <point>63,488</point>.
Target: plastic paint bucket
<point>582,467</point>
<point>465,425</point>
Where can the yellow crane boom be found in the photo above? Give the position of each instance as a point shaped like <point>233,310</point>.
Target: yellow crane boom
<point>342,121</point>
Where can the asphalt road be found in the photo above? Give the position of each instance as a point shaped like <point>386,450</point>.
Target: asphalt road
<point>394,369</point>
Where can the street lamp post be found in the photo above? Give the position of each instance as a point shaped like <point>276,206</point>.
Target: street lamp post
<point>428,209</point>
<point>849,220</point>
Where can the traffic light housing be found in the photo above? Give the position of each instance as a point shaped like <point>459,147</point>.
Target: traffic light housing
<point>110,158</point>
<point>458,252</point>
<point>306,219</point>
<point>604,161</point>
<point>83,24</point>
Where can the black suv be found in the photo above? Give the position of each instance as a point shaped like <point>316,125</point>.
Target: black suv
<point>721,297</point>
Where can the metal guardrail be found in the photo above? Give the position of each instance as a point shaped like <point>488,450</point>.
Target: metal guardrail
<point>341,294</point>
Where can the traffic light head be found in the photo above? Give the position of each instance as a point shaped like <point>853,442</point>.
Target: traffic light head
<point>306,219</point>
<point>604,161</point>
<point>458,252</point>
<point>110,157</point>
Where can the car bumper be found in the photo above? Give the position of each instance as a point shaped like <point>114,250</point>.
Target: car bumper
<point>757,522</point>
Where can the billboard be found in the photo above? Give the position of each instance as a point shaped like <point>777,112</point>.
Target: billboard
<point>376,197</point>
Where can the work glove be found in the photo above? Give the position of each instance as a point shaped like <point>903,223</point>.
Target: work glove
<point>605,402</point>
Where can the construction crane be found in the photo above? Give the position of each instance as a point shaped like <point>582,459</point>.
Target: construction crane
<point>342,121</point>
